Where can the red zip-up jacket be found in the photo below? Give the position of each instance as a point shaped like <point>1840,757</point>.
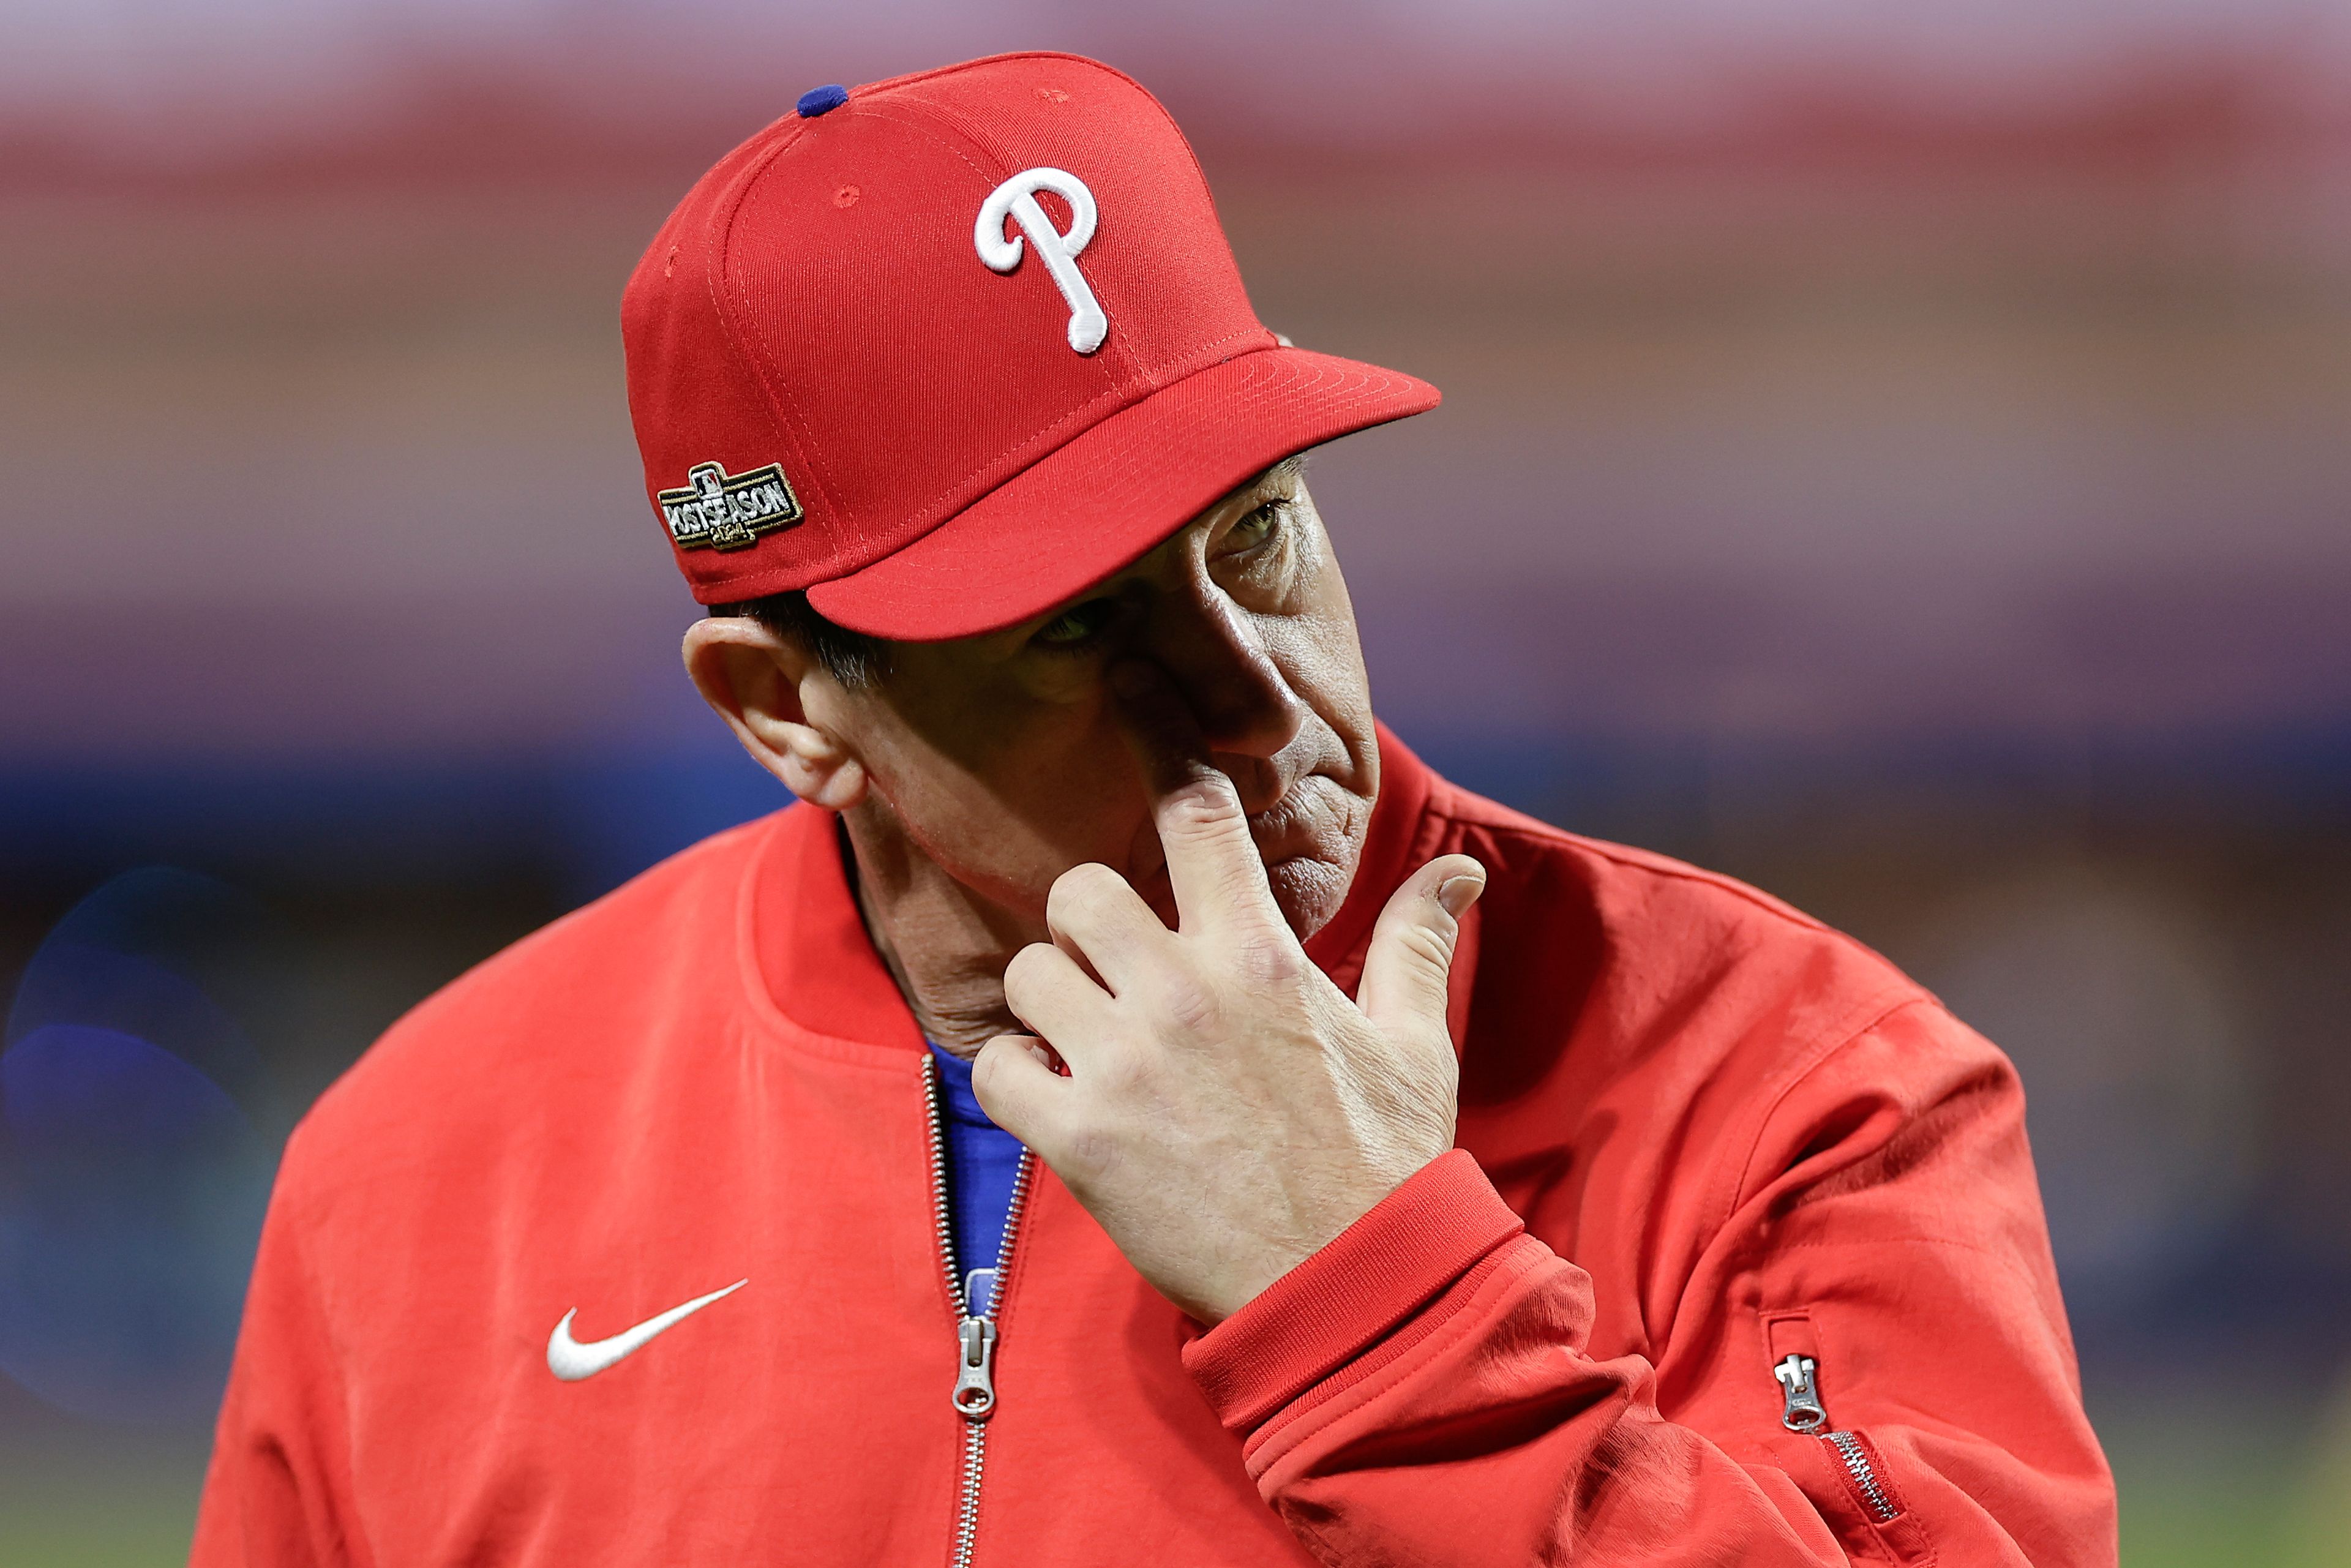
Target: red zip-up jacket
<point>1700,1135</point>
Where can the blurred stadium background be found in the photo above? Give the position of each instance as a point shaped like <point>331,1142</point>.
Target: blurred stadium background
<point>1898,454</point>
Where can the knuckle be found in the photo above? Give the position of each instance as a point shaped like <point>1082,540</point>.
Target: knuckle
<point>988,1069</point>
<point>1188,1003</point>
<point>1269,964</point>
<point>1080,889</point>
<point>1087,1153</point>
<point>1027,972</point>
<point>1121,1074</point>
<point>1066,899</point>
<point>1432,946</point>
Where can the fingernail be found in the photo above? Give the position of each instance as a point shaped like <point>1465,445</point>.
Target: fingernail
<point>1132,678</point>
<point>1457,893</point>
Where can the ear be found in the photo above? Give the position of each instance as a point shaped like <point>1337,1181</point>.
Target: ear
<point>775,698</point>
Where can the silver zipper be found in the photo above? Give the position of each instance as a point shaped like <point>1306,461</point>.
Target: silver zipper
<point>1802,1412</point>
<point>1863,1474</point>
<point>975,1336</point>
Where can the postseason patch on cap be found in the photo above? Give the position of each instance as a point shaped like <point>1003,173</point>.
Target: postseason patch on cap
<point>714,512</point>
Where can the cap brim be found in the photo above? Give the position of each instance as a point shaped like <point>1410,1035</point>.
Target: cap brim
<point>1106,497</point>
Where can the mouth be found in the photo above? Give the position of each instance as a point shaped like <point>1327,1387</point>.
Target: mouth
<point>1297,821</point>
<point>1299,825</point>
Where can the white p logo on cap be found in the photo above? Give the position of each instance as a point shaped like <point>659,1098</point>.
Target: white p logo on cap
<point>1017,198</point>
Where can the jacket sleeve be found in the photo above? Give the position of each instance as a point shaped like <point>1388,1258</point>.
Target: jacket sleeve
<point>1420,1392</point>
<point>277,1493</point>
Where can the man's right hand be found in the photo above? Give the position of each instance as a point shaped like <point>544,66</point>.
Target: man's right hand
<point>1227,1111</point>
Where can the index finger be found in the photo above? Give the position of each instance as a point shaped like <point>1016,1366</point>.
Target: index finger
<point>1213,866</point>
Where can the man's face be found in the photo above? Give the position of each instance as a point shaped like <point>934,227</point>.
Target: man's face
<point>1001,756</point>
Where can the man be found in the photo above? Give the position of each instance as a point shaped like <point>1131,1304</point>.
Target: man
<point>1130,1089</point>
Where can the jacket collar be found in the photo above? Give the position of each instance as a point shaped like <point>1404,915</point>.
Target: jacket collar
<point>809,952</point>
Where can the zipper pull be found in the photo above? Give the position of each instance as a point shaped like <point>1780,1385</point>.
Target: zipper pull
<point>974,1389</point>
<point>1803,1412</point>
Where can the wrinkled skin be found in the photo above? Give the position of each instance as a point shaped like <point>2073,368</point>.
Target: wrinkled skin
<point>1094,840</point>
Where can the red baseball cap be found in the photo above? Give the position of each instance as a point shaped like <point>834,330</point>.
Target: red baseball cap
<point>943,350</point>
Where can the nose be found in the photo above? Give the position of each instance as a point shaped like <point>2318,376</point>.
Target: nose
<point>1218,657</point>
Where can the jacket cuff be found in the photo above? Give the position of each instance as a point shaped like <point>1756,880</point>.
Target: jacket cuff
<point>1369,1279</point>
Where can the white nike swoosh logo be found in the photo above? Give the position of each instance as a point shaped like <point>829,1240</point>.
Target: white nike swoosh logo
<point>571,1360</point>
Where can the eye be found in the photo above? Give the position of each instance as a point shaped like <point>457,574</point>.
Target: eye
<point>1258,527</point>
<point>1075,627</point>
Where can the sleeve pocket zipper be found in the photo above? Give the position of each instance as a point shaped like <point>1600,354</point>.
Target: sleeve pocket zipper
<point>1802,1413</point>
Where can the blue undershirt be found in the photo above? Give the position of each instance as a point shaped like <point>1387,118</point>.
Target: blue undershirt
<point>982,1159</point>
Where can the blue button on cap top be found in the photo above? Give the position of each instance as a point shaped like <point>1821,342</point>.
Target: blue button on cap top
<point>823,100</point>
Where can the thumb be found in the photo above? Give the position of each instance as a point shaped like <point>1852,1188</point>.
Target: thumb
<point>1412,946</point>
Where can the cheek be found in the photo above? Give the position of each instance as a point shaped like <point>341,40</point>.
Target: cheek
<point>1323,665</point>
<point>1329,676</point>
<point>1044,788</point>
<point>1317,648</point>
